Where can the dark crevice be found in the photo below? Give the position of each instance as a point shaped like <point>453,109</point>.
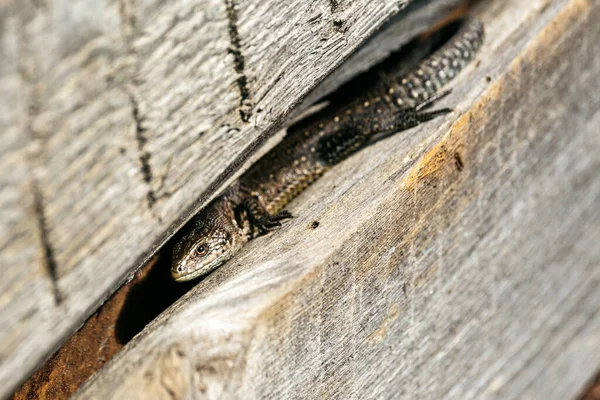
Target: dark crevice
<point>49,260</point>
<point>238,60</point>
<point>149,297</point>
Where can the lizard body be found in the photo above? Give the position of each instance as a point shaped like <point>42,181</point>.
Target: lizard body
<point>255,203</point>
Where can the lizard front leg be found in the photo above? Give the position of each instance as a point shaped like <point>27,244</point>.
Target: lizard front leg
<point>353,133</point>
<point>258,216</point>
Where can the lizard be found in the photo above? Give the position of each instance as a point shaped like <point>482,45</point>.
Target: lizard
<point>255,203</point>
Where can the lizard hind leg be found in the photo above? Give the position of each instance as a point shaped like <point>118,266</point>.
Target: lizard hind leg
<point>431,100</point>
<point>406,118</point>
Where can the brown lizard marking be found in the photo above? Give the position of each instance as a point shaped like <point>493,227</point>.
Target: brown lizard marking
<point>254,204</point>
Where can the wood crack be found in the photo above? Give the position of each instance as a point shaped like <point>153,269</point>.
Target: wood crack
<point>235,49</point>
<point>144,154</point>
<point>49,260</point>
<point>127,13</point>
<point>29,70</point>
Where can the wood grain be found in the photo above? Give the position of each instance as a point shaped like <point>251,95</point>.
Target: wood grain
<point>458,260</point>
<point>118,119</point>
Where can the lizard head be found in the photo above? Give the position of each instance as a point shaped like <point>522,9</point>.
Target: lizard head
<point>206,244</point>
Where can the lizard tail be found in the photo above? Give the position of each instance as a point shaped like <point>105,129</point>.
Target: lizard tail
<point>422,82</point>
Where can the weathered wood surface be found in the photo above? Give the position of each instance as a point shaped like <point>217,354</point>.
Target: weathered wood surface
<point>116,117</point>
<point>459,260</point>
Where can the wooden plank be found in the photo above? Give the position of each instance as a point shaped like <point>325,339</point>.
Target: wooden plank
<point>121,117</point>
<point>466,265</point>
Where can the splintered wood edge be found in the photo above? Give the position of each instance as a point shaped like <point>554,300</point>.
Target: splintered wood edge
<point>210,339</point>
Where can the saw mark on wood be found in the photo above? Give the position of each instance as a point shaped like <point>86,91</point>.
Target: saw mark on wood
<point>49,260</point>
<point>235,49</point>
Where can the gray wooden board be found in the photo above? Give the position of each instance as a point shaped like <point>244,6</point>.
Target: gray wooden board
<point>458,260</point>
<point>109,107</point>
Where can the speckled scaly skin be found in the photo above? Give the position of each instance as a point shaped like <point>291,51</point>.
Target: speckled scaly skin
<point>254,204</point>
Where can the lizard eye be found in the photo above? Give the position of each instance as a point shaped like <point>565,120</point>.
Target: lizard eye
<point>202,249</point>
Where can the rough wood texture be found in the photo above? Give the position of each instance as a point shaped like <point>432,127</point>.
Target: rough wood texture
<point>459,260</point>
<point>119,118</point>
